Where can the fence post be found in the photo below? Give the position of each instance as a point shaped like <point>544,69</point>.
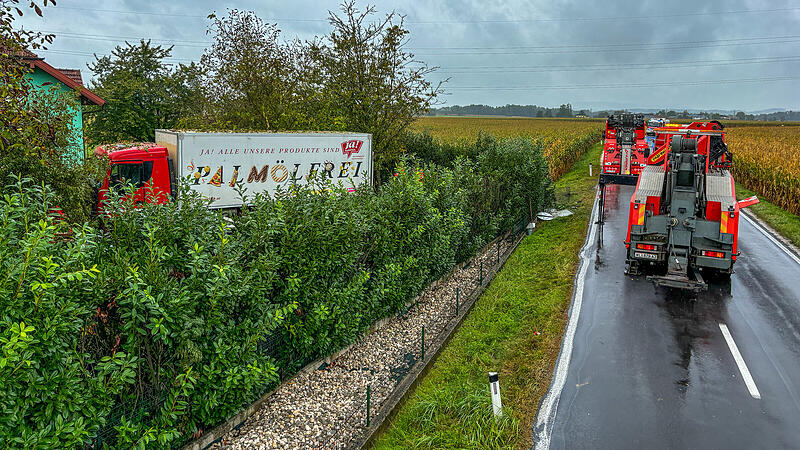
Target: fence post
<point>423,343</point>
<point>368,398</point>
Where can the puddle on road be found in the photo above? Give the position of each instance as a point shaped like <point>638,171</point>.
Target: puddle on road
<point>694,319</point>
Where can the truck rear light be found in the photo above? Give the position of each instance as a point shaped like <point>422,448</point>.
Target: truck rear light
<point>712,254</point>
<point>650,247</point>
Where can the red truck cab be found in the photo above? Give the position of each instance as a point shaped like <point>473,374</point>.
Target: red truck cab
<point>625,149</point>
<point>146,166</point>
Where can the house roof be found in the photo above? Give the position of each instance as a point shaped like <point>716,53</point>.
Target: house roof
<point>73,74</point>
<point>70,77</point>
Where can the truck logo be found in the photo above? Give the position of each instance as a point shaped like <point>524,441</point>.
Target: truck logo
<point>658,156</point>
<point>351,146</point>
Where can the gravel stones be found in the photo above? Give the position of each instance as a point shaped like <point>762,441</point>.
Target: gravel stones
<point>326,408</point>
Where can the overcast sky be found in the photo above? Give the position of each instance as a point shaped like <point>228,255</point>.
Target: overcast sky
<point>735,54</point>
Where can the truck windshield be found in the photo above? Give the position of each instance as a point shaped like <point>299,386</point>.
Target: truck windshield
<point>131,173</point>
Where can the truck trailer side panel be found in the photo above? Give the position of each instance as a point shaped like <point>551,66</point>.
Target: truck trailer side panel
<point>217,164</point>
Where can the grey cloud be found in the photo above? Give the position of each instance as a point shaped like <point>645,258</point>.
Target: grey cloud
<point>459,39</point>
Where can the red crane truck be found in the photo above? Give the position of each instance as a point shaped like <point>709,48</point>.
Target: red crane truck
<point>624,145</point>
<point>625,153</point>
<point>683,217</point>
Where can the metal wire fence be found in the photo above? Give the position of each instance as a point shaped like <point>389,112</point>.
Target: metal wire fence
<point>488,263</point>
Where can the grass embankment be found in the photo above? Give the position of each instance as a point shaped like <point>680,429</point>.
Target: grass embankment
<point>779,219</point>
<point>451,407</point>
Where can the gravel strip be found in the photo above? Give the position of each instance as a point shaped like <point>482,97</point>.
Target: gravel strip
<point>326,408</point>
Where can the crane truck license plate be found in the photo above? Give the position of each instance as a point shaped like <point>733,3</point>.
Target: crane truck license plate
<point>644,255</point>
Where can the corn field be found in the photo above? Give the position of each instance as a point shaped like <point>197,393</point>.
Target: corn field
<point>765,161</point>
<point>565,139</point>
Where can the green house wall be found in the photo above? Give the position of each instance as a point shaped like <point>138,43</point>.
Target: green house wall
<point>44,81</point>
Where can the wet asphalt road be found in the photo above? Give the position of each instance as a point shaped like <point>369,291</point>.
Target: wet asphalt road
<point>651,369</point>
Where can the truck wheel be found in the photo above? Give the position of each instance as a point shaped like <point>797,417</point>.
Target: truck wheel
<point>632,267</point>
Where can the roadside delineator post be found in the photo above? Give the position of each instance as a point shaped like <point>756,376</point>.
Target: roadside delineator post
<point>590,169</point>
<point>494,388</point>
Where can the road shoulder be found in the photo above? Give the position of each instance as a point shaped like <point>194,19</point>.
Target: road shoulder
<point>777,221</point>
<point>515,329</point>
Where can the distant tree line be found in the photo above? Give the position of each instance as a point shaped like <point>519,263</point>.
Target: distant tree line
<point>565,110</point>
<point>779,116</point>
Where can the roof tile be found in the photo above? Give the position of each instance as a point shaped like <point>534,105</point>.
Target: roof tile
<point>73,74</point>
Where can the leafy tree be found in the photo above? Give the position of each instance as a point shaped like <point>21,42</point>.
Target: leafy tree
<point>142,92</point>
<point>564,111</point>
<point>36,124</point>
<point>250,76</point>
<point>18,120</point>
<point>374,84</point>
<point>357,78</point>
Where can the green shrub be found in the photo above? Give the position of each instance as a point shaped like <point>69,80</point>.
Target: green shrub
<point>53,393</point>
<point>155,319</point>
<point>501,180</point>
<point>173,317</point>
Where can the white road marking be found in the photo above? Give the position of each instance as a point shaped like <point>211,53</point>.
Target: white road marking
<point>772,238</point>
<point>748,379</point>
<point>547,412</point>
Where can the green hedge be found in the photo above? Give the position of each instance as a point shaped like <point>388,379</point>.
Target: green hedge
<point>172,317</point>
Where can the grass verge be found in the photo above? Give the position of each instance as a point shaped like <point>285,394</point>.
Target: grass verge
<point>779,219</point>
<point>451,407</point>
